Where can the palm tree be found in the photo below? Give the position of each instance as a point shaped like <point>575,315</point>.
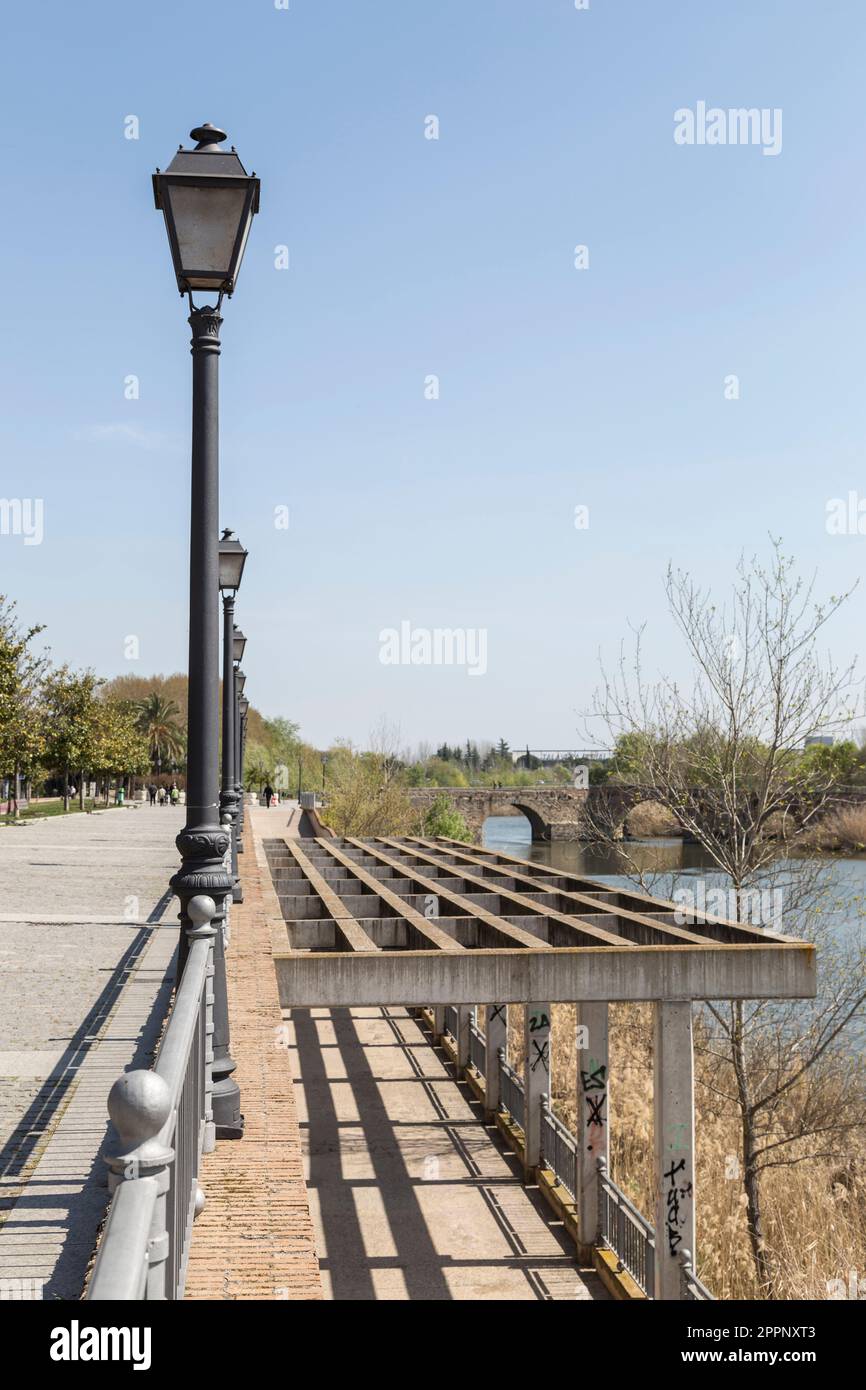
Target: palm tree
<point>157,720</point>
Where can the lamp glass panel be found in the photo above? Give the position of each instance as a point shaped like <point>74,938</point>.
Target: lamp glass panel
<point>231,568</point>
<point>206,221</point>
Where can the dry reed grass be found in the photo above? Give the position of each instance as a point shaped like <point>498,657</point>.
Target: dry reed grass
<point>814,1214</point>
<point>842,831</point>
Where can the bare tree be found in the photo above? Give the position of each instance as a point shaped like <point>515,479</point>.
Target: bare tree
<point>725,758</point>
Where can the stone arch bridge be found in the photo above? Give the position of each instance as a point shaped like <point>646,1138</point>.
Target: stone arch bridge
<point>581,813</point>
<point>555,813</point>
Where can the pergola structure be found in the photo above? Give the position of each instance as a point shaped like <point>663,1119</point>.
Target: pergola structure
<point>436,923</point>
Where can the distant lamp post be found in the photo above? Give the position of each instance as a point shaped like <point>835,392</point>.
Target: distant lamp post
<point>324,768</point>
<point>240,682</point>
<point>208,201</point>
<point>243,710</point>
<point>239,643</point>
<point>232,558</point>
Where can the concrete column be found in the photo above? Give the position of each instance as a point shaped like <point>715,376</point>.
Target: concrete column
<point>465,1013</point>
<point>438,1021</point>
<point>536,1079</point>
<point>674,1143</point>
<point>592,1113</point>
<point>495,1033</point>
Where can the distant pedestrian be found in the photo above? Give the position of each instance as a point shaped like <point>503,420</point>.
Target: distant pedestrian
<point>151,792</point>
<point>161,796</point>
<point>268,793</point>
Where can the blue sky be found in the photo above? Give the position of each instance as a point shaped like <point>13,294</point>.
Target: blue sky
<point>411,257</point>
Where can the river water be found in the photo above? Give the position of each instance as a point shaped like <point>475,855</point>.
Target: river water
<point>669,865</point>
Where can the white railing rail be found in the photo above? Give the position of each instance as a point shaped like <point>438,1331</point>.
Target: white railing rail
<point>164,1120</point>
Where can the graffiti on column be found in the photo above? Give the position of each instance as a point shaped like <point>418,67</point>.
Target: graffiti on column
<point>678,1190</point>
<point>593,1082</point>
<point>539,1047</point>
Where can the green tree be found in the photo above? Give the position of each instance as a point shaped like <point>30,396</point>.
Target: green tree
<point>159,722</point>
<point>443,818</point>
<point>121,748</point>
<point>71,724</point>
<point>21,725</point>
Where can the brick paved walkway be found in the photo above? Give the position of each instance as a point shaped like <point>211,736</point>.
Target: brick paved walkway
<point>255,1238</point>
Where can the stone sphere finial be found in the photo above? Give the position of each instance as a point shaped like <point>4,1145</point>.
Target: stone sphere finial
<point>139,1104</point>
<point>201,910</point>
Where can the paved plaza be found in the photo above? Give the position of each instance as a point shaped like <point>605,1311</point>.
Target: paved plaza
<point>87,936</point>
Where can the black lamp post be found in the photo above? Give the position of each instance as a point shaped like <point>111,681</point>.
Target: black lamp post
<point>324,766</point>
<point>231,567</point>
<point>240,682</point>
<point>243,710</point>
<point>239,643</point>
<point>208,202</point>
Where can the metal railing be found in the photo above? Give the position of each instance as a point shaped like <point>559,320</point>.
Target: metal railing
<point>477,1048</point>
<point>510,1090</point>
<point>558,1149</point>
<point>621,1227</point>
<point>164,1121</point>
<point>628,1234</point>
<point>691,1287</point>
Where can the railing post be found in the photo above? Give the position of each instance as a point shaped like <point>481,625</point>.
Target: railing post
<point>464,1018</point>
<point>686,1271</point>
<point>438,1021</point>
<point>592,1115</point>
<point>601,1223</point>
<point>546,1158</point>
<point>674,1143</point>
<point>495,1035</point>
<point>139,1104</point>
<point>536,1081</point>
<point>201,912</point>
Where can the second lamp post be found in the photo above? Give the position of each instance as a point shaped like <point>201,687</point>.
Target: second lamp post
<point>231,567</point>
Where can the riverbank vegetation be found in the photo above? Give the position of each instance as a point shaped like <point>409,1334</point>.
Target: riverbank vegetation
<point>724,753</point>
<point>813,1184</point>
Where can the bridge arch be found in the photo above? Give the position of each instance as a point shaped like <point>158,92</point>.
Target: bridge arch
<point>506,806</point>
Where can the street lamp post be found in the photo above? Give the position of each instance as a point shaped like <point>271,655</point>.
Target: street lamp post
<point>243,707</point>
<point>239,643</point>
<point>231,567</point>
<point>208,202</point>
<point>240,682</point>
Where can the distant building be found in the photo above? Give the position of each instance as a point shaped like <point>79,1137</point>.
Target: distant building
<point>824,740</point>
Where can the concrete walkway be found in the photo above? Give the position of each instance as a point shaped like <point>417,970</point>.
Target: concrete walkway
<point>411,1195</point>
<point>82,965</point>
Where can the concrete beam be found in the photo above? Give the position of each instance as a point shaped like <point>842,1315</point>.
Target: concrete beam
<point>591,974</point>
